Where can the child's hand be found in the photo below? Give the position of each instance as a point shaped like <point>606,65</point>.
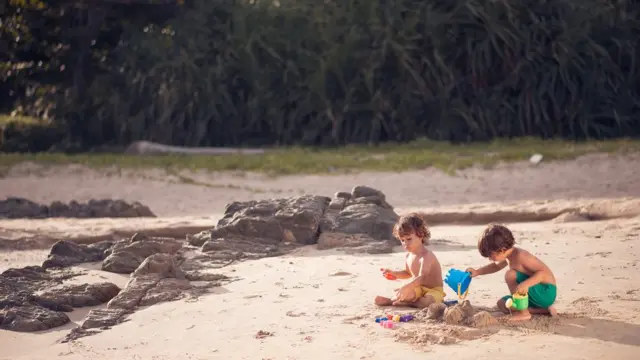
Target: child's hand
<point>389,274</point>
<point>387,271</point>
<point>522,289</point>
<point>473,272</point>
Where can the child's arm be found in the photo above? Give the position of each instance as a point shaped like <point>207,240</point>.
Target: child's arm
<point>407,291</point>
<point>488,269</point>
<point>540,272</point>
<point>400,274</point>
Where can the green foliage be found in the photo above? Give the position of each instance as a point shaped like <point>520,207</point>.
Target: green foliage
<point>310,72</point>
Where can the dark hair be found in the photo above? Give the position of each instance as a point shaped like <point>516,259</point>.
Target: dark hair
<point>495,238</point>
<point>411,224</point>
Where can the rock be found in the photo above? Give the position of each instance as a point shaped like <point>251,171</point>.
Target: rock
<point>77,296</point>
<point>361,191</point>
<point>293,219</point>
<point>361,218</point>
<point>342,195</point>
<point>67,253</point>
<point>361,221</point>
<point>30,318</point>
<point>338,203</point>
<point>15,208</point>
<point>33,299</point>
<point>126,256</point>
<point>98,318</point>
<point>157,279</point>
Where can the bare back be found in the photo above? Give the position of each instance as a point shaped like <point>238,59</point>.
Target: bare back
<point>432,270</point>
<point>527,263</point>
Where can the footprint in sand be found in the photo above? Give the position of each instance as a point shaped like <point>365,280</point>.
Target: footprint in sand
<point>341,273</point>
<point>263,334</point>
<point>603,254</point>
<point>294,314</point>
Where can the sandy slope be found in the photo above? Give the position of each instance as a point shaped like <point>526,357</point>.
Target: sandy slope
<point>316,314</point>
<point>593,176</point>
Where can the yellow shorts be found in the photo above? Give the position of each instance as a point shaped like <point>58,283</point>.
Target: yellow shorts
<point>437,293</point>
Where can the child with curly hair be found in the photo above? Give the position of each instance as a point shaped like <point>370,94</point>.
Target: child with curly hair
<point>421,265</point>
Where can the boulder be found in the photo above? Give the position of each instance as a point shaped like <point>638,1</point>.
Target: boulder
<point>126,256</point>
<point>67,253</point>
<point>356,219</point>
<point>292,219</point>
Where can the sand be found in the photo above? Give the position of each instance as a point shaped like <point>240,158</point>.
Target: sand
<point>319,304</point>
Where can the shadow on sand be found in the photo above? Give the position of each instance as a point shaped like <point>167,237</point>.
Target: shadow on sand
<point>585,328</point>
<point>602,329</point>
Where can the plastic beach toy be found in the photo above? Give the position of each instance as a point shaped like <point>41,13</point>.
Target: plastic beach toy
<point>406,318</point>
<point>518,302</point>
<point>459,282</point>
<point>387,324</point>
<point>388,276</point>
<point>450,302</point>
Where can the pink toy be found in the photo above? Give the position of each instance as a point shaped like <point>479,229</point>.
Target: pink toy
<point>387,324</point>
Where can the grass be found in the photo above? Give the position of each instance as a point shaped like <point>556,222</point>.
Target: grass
<point>419,154</point>
<point>22,120</point>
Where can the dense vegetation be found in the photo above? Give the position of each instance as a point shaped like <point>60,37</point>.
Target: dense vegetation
<point>308,72</point>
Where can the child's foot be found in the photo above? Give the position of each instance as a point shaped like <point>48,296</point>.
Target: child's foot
<point>502,305</point>
<point>553,311</point>
<point>382,301</point>
<point>523,315</point>
<point>401,303</point>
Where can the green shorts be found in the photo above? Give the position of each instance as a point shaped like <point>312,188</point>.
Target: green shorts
<point>540,295</point>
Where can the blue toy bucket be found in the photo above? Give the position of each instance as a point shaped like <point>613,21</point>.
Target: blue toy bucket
<point>456,277</point>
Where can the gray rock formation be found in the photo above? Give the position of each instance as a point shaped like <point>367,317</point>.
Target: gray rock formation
<point>16,208</point>
<point>126,256</point>
<point>159,278</point>
<point>361,221</point>
<point>34,299</point>
<point>167,269</point>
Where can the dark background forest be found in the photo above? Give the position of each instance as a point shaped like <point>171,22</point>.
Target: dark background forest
<point>323,73</point>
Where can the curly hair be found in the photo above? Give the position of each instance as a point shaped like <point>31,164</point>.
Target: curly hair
<point>495,238</point>
<point>412,224</point>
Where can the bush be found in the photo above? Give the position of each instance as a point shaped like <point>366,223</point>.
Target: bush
<point>24,134</point>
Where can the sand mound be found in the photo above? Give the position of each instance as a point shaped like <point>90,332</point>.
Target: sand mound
<point>439,324</point>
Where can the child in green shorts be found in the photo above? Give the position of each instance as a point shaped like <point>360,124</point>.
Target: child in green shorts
<point>526,274</point>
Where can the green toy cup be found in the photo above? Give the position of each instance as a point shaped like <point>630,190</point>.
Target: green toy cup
<point>518,302</point>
